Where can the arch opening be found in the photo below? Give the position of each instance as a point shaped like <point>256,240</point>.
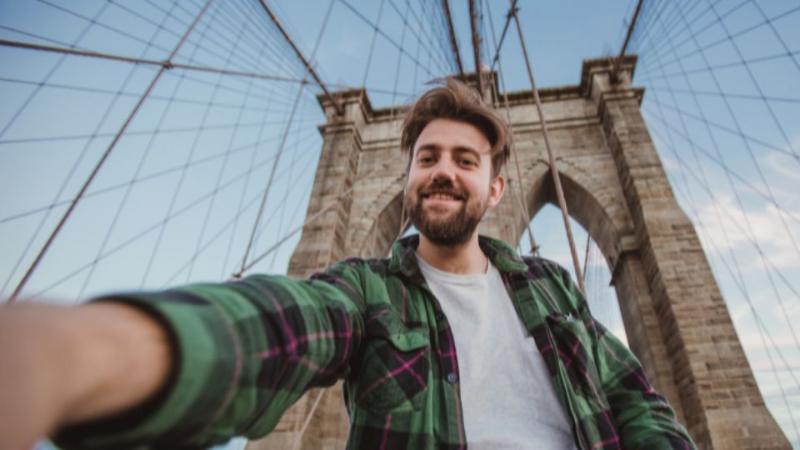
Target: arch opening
<point>552,241</point>
<point>593,208</point>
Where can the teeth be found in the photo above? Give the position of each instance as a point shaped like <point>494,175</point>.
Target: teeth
<point>441,196</point>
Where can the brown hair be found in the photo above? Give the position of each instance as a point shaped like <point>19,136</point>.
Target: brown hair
<point>456,101</point>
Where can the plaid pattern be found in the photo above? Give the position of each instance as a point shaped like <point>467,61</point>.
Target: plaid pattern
<point>247,350</point>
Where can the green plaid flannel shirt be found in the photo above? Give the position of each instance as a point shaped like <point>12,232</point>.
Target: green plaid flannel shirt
<point>246,350</point>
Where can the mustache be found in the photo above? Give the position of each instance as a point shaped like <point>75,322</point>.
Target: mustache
<point>443,188</point>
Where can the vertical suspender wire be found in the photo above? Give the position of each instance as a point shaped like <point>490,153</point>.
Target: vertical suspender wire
<point>400,57</point>
<point>300,227</point>
<point>372,43</point>
<point>423,35</point>
<point>309,71</point>
<point>308,220</point>
<point>787,51</point>
<point>562,203</point>
<point>618,61</point>
<point>309,68</point>
<point>228,59</point>
<point>44,81</point>
<point>521,197</point>
<point>263,204</point>
<point>737,277</point>
<point>299,438</point>
<point>476,43</point>
<point>403,219</point>
<point>129,188</point>
<point>246,184</point>
<point>748,231</point>
<point>451,33</point>
<point>735,272</point>
<point>756,84</point>
<point>176,190</point>
<point>416,67</point>
<point>770,197</point>
<point>284,203</point>
<point>586,257</point>
<point>701,180</point>
<point>70,173</point>
<point>279,153</point>
<point>503,34</point>
<point>167,64</point>
<point>245,206</point>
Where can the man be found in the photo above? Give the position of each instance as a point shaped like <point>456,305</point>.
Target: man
<point>453,341</point>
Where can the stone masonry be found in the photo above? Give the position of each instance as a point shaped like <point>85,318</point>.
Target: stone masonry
<point>615,186</point>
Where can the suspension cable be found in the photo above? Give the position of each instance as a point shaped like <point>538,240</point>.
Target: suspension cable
<point>297,229</point>
<point>104,157</point>
<point>452,34</point>
<point>499,43</point>
<point>300,55</point>
<point>618,61</point>
<point>562,203</point>
<point>514,154</point>
<point>476,44</point>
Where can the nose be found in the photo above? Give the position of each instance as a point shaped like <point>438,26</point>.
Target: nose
<point>444,170</point>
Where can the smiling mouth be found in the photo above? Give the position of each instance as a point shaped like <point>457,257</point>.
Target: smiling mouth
<point>441,195</point>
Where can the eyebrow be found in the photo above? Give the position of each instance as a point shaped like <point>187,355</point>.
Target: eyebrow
<point>458,149</point>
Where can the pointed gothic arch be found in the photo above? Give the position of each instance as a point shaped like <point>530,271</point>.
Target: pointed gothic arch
<point>594,204</point>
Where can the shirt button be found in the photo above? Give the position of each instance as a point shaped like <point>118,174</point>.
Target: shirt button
<point>452,378</point>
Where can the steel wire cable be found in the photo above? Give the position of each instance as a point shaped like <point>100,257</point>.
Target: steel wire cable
<point>519,194</point>
<point>20,286</point>
<point>287,129</point>
<point>715,202</point>
<point>148,177</point>
<point>71,172</point>
<point>736,274</point>
<point>750,153</point>
<point>738,279</point>
<point>180,211</point>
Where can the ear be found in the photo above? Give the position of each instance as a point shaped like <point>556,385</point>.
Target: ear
<point>497,188</point>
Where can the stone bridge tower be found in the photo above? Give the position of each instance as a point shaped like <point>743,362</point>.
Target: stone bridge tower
<point>616,188</point>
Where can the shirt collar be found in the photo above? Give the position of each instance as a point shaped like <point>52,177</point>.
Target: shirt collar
<point>502,256</point>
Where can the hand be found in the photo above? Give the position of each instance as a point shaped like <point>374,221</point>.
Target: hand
<point>30,401</point>
<point>64,365</point>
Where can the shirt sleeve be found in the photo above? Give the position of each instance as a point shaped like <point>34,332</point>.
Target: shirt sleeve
<point>243,352</point>
<point>641,415</point>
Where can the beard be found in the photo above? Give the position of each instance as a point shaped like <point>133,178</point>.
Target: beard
<point>455,229</point>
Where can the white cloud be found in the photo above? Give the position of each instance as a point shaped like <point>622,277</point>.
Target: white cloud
<point>725,226</point>
<point>671,165</point>
<point>782,170</point>
<point>754,342</point>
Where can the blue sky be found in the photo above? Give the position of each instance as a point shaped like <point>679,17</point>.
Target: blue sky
<point>177,199</point>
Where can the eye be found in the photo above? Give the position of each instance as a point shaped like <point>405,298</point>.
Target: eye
<point>467,162</point>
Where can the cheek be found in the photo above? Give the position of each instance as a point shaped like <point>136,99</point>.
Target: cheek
<point>411,187</point>
<point>414,179</point>
<point>478,187</point>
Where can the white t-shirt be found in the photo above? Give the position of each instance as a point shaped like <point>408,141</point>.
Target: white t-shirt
<point>506,392</point>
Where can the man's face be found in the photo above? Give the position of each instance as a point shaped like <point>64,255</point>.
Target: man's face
<point>450,184</point>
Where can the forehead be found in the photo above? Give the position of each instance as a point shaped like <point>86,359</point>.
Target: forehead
<point>449,134</point>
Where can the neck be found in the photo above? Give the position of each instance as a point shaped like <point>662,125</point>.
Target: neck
<point>467,258</point>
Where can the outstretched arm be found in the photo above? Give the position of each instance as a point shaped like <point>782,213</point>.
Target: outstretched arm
<point>65,365</point>
<point>203,362</point>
